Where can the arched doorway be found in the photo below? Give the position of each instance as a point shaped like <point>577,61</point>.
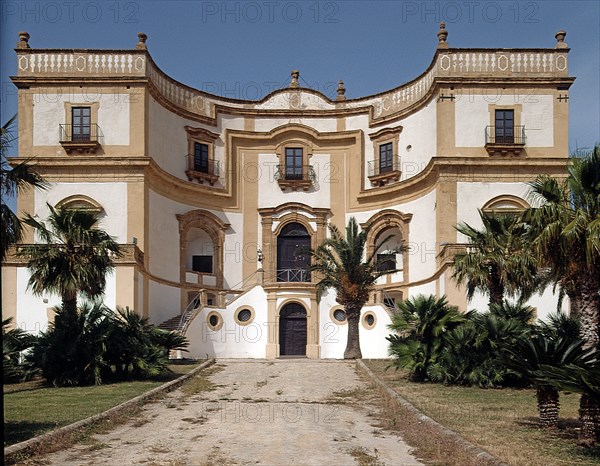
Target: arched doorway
<point>293,256</point>
<point>292,330</point>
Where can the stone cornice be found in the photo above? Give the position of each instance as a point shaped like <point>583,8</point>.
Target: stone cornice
<point>533,66</point>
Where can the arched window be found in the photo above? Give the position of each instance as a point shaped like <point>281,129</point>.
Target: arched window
<point>293,254</point>
<point>80,202</point>
<point>505,204</point>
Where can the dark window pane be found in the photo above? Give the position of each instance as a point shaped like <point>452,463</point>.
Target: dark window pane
<point>200,157</point>
<point>386,158</point>
<point>293,163</point>
<point>386,262</point>
<point>80,121</point>
<point>203,264</point>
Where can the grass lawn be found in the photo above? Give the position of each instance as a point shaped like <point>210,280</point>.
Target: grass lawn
<point>31,408</point>
<point>503,422</point>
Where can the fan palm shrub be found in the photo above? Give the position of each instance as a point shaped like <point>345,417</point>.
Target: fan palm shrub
<point>529,353</point>
<point>420,325</point>
<point>14,342</point>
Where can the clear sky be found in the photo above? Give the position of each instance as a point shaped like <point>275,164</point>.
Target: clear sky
<point>246,49</point>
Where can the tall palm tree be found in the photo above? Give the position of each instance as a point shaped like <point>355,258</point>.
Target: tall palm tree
<point>12,181</point>
<point>421,323</point>
<point>566,237</point>
<point>74,258</point>
<point>497,261</point>
<point>565,230</point>
<point>341,264</point>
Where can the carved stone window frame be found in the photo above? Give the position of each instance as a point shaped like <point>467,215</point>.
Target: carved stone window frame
<point>90,205</point>
<point>518,205</point>
<point>296,213</point>
<point>513,149</point>
<point>385,220</point>
<point>201,136</point>
<point>215,228</point>
<point>82,147</point>
<point>380,138</point>
<point>307,152</point>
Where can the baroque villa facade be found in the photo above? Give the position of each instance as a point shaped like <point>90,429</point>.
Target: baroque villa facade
<point>214,199</point>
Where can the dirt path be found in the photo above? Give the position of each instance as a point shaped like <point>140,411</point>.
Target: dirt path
<point>286,412</point>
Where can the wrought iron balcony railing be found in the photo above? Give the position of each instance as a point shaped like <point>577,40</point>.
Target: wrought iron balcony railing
<point>514,135</point>
<point>80,138</point>
<point>207,170</point>
<point>294,177</point>
<point>293,275</point>
<point>80,133</point>
<point>505,141</point>
<point>377,167</point>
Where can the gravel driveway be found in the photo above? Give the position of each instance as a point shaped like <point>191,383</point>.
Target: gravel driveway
<point>284,412</point>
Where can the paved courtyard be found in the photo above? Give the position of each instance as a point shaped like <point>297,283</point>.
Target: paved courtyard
<point>284,412</point>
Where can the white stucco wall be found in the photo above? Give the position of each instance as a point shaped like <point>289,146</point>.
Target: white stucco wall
<point>232,340</point>
<point>33,313</point>
<point>271,195</point>
<point>471,196</point>
<point>472,113</point>
<point>49,112</point>
<point>111,196</point>
<point>419,131</point>
<point>164,240</point>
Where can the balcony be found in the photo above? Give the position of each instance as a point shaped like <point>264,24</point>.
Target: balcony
<point>293,275</point>
<point>505,141</point>
<point>80,139</point>
<point>210,171</point>
<point>295,177</point>
<point>380,175</point>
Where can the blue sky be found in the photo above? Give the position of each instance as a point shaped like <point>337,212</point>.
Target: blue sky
<point>246,49</point>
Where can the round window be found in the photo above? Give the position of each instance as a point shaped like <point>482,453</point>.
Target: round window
<point>244,315</point>
<point>339,315</point>
<point>370,320</point>
<point>213,320</point>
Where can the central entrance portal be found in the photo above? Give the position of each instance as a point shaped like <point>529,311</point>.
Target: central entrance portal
<point>292,330</point>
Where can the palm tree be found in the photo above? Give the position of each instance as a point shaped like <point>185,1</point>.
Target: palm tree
<point>340,263</point>
<point>529,353</point>
<point>584,379</point>
<point>421,323</point>
<point>497,260</point>
<point>566,237</point>
<point>75,258</point>
<point>12,181</point>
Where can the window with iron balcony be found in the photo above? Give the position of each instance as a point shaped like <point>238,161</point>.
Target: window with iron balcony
<point>294,173</point>
<point>201,164</point>
<point>505,137</point>
<point>385,168</point>
<point>81,135</point>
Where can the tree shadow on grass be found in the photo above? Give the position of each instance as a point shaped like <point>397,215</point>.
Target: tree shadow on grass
<point>568,429</point>
<point>18,431</point>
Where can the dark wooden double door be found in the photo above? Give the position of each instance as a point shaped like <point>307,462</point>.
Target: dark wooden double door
<point>292,330</point>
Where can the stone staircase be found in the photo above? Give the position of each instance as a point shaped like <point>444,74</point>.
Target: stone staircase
<point>171,325</point>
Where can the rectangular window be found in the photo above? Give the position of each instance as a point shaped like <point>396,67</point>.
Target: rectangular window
<point>293,163</point>
<point>81,123</point>
<point>505,127</point>
<point>386,159</point>
<point>200,157</point>
<point>386,262</point>
<point>203,264</point>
